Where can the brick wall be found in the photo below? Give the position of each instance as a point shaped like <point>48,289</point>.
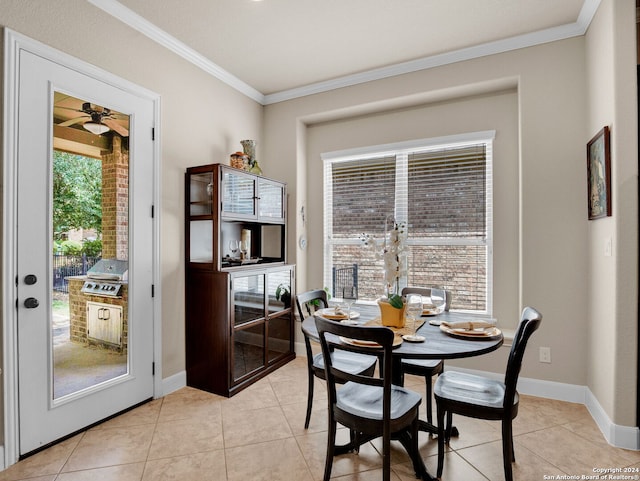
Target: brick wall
<point>455,268</point>
<point>115,201</point>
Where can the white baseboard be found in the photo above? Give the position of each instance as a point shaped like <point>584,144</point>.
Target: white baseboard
<point>626,437</point>
<point>173,383</point>
<point>300,349</point>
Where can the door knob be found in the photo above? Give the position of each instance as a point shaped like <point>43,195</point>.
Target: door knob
<point>30,279</point>
<point>31,303</point>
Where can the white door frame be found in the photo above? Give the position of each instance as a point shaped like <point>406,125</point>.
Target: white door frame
<point>13,44</point>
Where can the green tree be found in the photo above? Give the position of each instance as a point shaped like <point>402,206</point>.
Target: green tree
<point>77,193</point>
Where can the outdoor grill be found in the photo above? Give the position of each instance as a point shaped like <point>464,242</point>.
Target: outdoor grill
<point>105,278</point>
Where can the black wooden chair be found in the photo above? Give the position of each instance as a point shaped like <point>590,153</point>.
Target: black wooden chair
<point>369,406</point>
<point>307,303</point>
<point>424,367</point>
<point>483,398</point>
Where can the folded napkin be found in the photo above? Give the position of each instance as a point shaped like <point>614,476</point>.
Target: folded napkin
<point>469,325</point>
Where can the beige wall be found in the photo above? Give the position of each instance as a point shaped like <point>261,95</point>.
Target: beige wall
<point>546,142</point>
<point>613,325</point>
<point>565,91</point>
<point>203,121</point>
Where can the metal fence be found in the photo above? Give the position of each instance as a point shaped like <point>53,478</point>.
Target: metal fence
<point>65,266</point>
<point>345,282</point>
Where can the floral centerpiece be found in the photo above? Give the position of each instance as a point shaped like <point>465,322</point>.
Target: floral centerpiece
<point>392,249</point>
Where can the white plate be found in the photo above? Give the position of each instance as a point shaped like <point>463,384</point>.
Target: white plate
<point>432,311</point>
<point>488,333</point>
<point>330,313</point>
<point>350,322</point>
<point>413,338</point>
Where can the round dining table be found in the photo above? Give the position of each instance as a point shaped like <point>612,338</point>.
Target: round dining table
<point>438,344</point>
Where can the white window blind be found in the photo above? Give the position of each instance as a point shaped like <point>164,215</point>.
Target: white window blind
<point>441,188</point>
<point>363,196</point>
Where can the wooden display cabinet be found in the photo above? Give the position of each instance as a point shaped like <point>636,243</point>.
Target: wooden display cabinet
<point>237,329</point>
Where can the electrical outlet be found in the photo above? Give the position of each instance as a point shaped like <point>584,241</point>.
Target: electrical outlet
<point>545,354</point>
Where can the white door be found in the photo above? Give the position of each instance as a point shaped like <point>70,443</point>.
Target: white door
<point>44,415</point>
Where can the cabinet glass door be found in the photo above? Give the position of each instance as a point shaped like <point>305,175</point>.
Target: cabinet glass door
<point>248,298</point>
<point>271,203</point>
<point>238,194</point>
<point>201,241</point>
<point>248,350</point>
<point>201,193</point>
<point>279,341</point>
<point>279,289</point>
<point>248,332</point>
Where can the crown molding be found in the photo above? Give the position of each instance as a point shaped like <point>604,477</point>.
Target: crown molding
<point>135,21</point>
<point>562,32</point>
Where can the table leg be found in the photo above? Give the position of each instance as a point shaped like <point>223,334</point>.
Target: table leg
<point>418,463</point>
<point>353,445</point>
<point>397,379</point>
<point>404,438</point>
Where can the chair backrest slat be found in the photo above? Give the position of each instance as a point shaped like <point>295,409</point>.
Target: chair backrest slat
<point>330,333</point>
<point>302,301</point>
<point>305,309</point>
<point>529,323</point>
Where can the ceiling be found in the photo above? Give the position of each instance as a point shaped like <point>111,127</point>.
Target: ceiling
<point>272,49</point>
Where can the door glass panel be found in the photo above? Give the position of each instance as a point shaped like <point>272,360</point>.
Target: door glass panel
<point>90,198</point>
<point>248,298</point>
<point>239,194</point>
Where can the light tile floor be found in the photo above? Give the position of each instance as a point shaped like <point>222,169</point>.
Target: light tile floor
<point>258,435</point>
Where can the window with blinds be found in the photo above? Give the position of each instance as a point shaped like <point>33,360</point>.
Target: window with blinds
<point>441,189</point>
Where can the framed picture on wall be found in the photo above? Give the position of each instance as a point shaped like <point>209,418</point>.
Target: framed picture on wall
<point>599,175</point>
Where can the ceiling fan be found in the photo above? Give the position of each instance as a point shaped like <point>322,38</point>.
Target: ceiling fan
<point>96,121</point>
